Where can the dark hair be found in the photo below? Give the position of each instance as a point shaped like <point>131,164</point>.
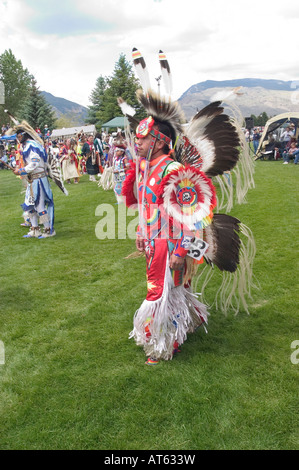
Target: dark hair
<point>167,130</point>
<point>25,136</point>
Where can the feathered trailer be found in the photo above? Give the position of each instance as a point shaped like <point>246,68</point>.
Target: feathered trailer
<point>210,169</point>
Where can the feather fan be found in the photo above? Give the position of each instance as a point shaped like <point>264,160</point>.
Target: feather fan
<point>54,172</point>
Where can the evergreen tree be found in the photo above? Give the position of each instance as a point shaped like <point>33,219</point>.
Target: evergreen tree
<point>16,80</point>
<point>96,100</point>
<point>264,118</point>
<point>260,120</point>
<point>36,111</point>
<point>122,83</point>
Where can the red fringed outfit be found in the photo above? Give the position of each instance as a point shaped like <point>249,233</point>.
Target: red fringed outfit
<point>170,309</point>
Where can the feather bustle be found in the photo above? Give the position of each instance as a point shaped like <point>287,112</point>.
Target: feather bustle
<point>216,139</point>
<point>224,242</point>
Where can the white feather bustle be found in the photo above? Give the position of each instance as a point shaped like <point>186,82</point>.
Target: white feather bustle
<point>196,133</point>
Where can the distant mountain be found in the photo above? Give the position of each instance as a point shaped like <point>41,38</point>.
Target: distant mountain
<point>258,95</point>
<point>74,112</point>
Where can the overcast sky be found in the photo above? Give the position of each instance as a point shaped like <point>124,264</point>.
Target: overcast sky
<point>68,44</point>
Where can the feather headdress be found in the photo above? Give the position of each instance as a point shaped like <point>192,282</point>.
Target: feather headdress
<point>54,170</point>
<point>163,110</point>
<point>25,127</point>
<point>212,141</point>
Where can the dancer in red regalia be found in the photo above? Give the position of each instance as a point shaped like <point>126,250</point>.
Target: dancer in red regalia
<point>170,181</point>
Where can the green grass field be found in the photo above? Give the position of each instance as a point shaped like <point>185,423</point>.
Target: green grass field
<point>73,380</point>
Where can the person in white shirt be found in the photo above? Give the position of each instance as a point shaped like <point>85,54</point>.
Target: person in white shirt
<point>286,136</point>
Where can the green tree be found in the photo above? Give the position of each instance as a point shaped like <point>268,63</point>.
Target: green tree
<point>96,98</point>
<point>36,111</point>
<point>260,120</point>
<point>121,84</point>
<point>16,80</point>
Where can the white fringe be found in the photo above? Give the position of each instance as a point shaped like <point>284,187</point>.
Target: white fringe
<point>106,180</point>
<point>235,287</point>
<point>170,319</point>
<point>226,199</point>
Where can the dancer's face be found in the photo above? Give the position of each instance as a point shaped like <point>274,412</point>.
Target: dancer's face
<point>21,137</point>
<point>143,145</point>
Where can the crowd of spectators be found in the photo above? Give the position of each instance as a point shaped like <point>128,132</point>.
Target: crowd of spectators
<point>8,155</point>
<point>278,145</point>
<point>284,147</point>
<point>77,155</point>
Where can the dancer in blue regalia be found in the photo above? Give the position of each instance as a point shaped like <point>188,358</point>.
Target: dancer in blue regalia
<point>38,203</point>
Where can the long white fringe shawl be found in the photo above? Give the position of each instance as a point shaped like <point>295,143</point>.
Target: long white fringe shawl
<point>235,287</point>
<point>169,319</point>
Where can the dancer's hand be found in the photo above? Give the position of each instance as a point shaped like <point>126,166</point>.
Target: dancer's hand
<point>140,244</point>
<point>176,263</point>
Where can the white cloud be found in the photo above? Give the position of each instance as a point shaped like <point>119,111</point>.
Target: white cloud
<point>203,40</point>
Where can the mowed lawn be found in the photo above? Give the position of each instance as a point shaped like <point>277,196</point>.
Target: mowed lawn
<point>73,380</point>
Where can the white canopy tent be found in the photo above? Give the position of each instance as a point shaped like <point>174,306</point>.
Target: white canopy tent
<point>68,132</point>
